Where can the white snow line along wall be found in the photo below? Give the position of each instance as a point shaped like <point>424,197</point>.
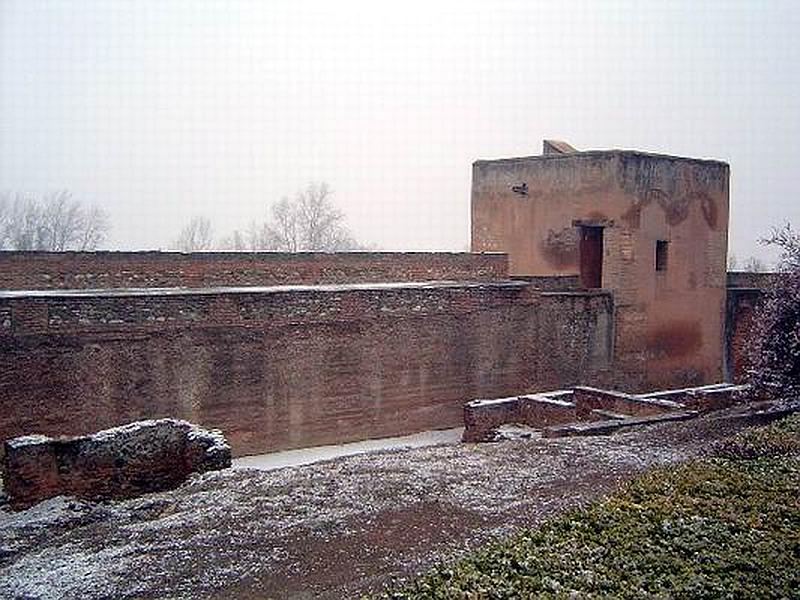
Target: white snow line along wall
<point>304,456</point>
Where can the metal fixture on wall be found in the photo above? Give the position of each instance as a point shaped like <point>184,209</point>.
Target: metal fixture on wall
<point>521,189</point>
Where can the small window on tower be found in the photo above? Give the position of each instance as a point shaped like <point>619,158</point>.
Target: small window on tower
<point>661,255</point>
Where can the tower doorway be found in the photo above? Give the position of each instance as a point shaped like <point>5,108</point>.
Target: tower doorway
<point>591,256</point>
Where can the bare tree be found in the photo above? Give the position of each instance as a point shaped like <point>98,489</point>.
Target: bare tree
<point>54,222</point>
<point>197,236</point>
<point>788,241</point>
<point>310,222</point>
<point>774,346</point>
<point>96,225</point>
<point>243,241</point>
<point>754,265</point>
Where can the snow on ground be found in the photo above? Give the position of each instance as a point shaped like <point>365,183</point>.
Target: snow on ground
<point>330,530</point>
<point>306,456</point>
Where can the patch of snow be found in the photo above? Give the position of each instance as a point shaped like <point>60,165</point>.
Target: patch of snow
<point>548,399</point>
<point>220,444</point>
<point>487,402</point>
<point>270,289</point>
<point>305,456</point>
<point>107,434</point>
<point>515,431</point>
<point>551,396</point>
<point>194,432</point>
<point>556,393</point>
<point>57,572</point>
<point>27,440</point>
<point>47,513</point>
<point>703,389</point>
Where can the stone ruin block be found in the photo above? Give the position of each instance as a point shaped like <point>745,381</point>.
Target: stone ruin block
<point>542,410</point>
<point>123,462</point>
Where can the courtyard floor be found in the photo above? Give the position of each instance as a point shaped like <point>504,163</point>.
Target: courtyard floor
<point>332,529</point>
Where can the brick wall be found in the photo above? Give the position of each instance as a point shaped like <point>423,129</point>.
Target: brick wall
<point>741,304</point>
<point>745,290</point>
<point>99,270</point>
<point>276,369</point>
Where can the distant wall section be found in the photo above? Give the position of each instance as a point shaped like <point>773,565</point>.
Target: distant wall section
<point>102,270</point>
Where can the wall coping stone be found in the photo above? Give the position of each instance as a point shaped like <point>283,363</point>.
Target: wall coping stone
<point>271,289</point>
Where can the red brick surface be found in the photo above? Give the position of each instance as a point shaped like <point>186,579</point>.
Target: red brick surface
<point>741,306</point>
<point>288,369</point>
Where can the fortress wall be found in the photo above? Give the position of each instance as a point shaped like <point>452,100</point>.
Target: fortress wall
<point>101,270</point>
<point>277,369</point>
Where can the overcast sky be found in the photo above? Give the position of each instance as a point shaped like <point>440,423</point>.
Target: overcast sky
<point>161,110</point>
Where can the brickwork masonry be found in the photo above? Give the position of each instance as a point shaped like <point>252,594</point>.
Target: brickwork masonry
<point>280,368</point>
<point>103,270</point>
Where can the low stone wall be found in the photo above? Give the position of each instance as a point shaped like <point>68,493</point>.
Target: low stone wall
<point>588,399</point>
<point>705,398</point>
<point>123,462</point>
<point>610,426</point>
<point>590,411</point>
<point>483,417</point>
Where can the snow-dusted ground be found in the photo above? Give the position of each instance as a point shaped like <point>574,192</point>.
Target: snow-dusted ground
<point>333,529</point>
<point>306,456</point>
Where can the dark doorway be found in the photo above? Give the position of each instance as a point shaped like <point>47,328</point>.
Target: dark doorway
<point>591,256</point>
<point>661,255</point>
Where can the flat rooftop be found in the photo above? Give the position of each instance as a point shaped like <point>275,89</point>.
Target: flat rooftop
<point>601,154</point>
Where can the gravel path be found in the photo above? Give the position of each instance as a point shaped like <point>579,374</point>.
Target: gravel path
<point>333,529</point>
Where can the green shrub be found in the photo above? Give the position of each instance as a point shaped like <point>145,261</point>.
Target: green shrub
<point>716,528</point>
<point>779,439</point>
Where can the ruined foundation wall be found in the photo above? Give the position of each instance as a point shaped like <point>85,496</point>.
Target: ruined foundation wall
<point>288,369</point>
<point>101,270</point>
